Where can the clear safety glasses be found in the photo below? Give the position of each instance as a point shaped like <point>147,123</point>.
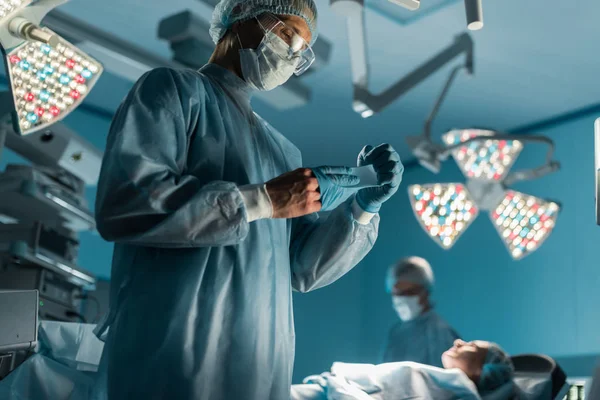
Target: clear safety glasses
<point>298,49</point>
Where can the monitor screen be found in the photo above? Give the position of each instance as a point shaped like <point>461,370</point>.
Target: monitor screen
<point>597,166</point>
<point>20,307</point>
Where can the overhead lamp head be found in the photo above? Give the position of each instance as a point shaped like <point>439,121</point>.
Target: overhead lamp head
<point>446,210</point>
<point>485,159</point>
<point>48,83</point>
<point>49,77</point>
<point>524,222</point>
<point>474,13</point>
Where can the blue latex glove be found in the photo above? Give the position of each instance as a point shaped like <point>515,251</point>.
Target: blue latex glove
<point>389,168</point>
<point>335,185</point>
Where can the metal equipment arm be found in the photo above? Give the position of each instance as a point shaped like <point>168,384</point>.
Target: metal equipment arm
<point>366,103</point>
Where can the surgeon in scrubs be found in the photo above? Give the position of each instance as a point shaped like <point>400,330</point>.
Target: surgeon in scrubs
<point>213,218</point>
<point>420,335</point>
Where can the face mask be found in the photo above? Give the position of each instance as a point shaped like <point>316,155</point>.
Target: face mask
<point>407,307</point>
<point>267,67</point>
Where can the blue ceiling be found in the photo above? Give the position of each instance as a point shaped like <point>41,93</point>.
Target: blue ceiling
<point>533,61</point>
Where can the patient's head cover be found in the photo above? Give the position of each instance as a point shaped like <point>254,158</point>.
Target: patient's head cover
<point>497,370</point>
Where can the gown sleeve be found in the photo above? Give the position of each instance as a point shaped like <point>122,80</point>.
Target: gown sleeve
<point>322,250</point>
<point>144,196</point>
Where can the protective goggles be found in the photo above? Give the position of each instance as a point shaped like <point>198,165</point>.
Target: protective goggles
<point>299,51</point>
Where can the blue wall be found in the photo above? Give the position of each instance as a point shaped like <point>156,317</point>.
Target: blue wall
<point>328,326</point>
<point>545,303</point>
<point>95,254</point>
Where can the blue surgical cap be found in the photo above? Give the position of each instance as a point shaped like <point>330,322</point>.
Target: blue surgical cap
<point>497,370</point>
<point>412,269</point>
<point>228,12</point>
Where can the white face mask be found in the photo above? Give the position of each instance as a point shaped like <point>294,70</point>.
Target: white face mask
<point>267,67</point>
<point>407,307</point>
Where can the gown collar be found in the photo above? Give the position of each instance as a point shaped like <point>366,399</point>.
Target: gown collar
<point>232,83</point>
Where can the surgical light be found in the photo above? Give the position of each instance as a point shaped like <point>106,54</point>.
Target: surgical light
<point>48,82</point>
<point>446,210</point>
<point>524,222</point>
<point>49,77</point>
<point>486,159</point>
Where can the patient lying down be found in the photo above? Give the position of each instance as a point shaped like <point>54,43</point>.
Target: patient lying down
<point>472,371</point>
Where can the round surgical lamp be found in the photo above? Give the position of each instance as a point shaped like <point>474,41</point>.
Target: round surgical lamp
<point>474,12</point>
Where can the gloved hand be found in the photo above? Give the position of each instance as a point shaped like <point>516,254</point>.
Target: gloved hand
<point>335,185</point>
<point>389,168</point>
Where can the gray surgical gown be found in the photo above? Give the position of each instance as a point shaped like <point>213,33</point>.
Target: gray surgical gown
<point>422,340</point>
<point>201,300</point>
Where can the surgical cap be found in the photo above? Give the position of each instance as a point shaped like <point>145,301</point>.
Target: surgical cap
<point>412,269</point>
<point>228,12</point>
<point>497,370</point>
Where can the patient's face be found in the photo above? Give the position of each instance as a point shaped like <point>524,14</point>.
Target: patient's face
<point>466,356</point>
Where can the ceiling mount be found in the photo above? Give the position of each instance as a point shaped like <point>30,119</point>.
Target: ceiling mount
<point>473,10</point>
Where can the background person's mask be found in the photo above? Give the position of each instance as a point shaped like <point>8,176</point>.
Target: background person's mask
<point>407,307</point>
<point>268,66</point>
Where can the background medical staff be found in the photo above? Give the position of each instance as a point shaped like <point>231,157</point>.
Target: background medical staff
<point>421,335</point>
<point>214,220</point>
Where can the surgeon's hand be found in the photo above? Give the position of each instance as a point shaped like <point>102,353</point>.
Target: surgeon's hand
<point>389,168</point>
<point>335,185</point>
<point>294,194</point>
